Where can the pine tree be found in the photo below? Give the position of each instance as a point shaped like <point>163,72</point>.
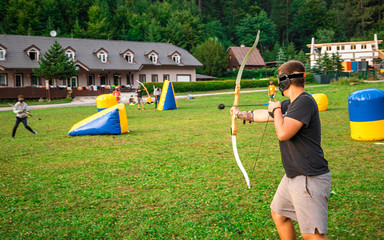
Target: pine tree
<point>281,57</point>
<point>55,65</point>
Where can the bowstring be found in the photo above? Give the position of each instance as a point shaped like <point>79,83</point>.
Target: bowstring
<point>260,145</point>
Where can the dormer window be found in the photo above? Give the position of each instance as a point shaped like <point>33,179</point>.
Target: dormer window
<point>129,57</point>
<point>2,54</point>
<point>102,56</point>
<point>176,58</point>
<point>153,57</point>
<point>70,55</point>
<point>33,54</point>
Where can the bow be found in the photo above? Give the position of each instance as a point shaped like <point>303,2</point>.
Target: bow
<point>149,99</point>
<point>236,104</point>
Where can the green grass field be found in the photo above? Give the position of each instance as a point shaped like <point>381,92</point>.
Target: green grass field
<point>174,175</point>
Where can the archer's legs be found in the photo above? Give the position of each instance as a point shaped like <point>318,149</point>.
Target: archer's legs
<point>284,226</point>
<point>25,122</point>
<point>17,122</point>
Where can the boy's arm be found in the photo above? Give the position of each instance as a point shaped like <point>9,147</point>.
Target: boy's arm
<point>259,115</point>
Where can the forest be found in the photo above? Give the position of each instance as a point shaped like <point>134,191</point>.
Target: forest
<point>286,24</point>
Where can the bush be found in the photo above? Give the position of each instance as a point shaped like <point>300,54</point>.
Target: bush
<point>212,85</point>
<point>309,78</point>
<point>254,73</point>
<point>346,81</point>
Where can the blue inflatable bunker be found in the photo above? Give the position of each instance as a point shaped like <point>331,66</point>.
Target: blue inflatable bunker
<point>112,120</point>
<point>366,114</point>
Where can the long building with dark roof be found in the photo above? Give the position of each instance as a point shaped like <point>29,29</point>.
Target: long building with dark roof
<point>100,62</point>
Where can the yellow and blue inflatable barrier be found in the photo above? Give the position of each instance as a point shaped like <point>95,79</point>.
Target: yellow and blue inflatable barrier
<point>112,120</point>
<point>105,101</point>
<point>167,97</point>
<point>366,114</point>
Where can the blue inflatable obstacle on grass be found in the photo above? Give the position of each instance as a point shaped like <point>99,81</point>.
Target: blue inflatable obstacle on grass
<point>112,120</point>
<point>167,97</point>
<point>366,114</point>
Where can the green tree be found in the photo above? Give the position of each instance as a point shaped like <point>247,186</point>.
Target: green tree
<point>213,56</point>
<point>309,15</point>
<point>247,30</point>
<point>324,35</point>
<point>99,18</point>
<point>55,65</point>
<point>281,57</point>
<point>336,61</point>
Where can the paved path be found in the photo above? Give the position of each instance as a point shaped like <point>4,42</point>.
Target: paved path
<point>91,101</point>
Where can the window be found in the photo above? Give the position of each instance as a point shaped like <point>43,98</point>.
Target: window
<point>2,54</point>
<point>183,78</point>
<point>129,57</point>
<point>363,46</point>
<point>33,54</point>
<point>142,78</point>
<point>36,81</point>
<point>130,79</point>
<point>165,77</point>
<point>353,47</point>
<point>328,48</point>
<point>102,56</point>
<point>91,80</point>
<point>3,80</point>
<point>116,80</point>
<point>73,81</point>
<point>70,55</point>
<point>341,47</point>
<point>176,58</point>
<point>103,80</point>
<point>155,78</point>
<point>19,80</point>
<point>153,57</point>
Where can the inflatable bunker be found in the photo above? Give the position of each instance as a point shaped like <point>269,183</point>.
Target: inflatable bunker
<point>105,101</point>
<point>366,114</point>
<point>321,100</point>
<point>112,120</point>
<point>167,97</point>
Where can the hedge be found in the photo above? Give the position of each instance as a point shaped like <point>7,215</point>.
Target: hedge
<point>180,87</point>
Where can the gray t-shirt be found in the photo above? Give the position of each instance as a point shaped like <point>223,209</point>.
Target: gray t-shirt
<point>302,154</point>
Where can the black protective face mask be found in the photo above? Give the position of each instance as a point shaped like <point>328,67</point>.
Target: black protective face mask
<point>285,80</point>
<point>284,83</point>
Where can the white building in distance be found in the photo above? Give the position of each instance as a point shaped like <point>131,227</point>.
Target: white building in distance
<point>348,51</point>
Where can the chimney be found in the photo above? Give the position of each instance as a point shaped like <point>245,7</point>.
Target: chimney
<point>242,45</point>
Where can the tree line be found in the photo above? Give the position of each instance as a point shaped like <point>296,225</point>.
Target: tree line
<point>285,24</point>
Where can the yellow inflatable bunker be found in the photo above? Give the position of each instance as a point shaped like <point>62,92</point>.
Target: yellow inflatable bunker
<point>112,120</point>
<point>321,100</point>
<point>104,101</point>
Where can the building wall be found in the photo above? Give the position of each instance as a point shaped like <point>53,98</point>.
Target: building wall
<point>82,77</point>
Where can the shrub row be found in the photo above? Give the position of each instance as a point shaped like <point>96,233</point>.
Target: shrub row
<point>201,86</point>
<point>254,73</point>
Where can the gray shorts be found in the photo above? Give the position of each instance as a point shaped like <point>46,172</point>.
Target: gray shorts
<point>305,200</point>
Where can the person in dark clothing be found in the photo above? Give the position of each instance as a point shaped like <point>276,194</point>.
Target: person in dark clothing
<point>139,93</point>
<point>22,111</point>
<point>304,190</point>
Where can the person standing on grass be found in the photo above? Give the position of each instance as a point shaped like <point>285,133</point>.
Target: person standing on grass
<point>271,91</point>
<point>22,111</point>
<point>157,93</point>
<point>139,93</point>
<point>304,190</point>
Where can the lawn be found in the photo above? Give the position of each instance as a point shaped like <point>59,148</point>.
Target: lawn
<point>174,175</point>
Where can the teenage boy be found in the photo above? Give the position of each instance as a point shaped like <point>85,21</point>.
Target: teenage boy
<point>22,111</point>
<point>304,190</point>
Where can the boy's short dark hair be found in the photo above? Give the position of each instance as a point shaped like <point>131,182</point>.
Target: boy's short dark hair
<point>291,67</point>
